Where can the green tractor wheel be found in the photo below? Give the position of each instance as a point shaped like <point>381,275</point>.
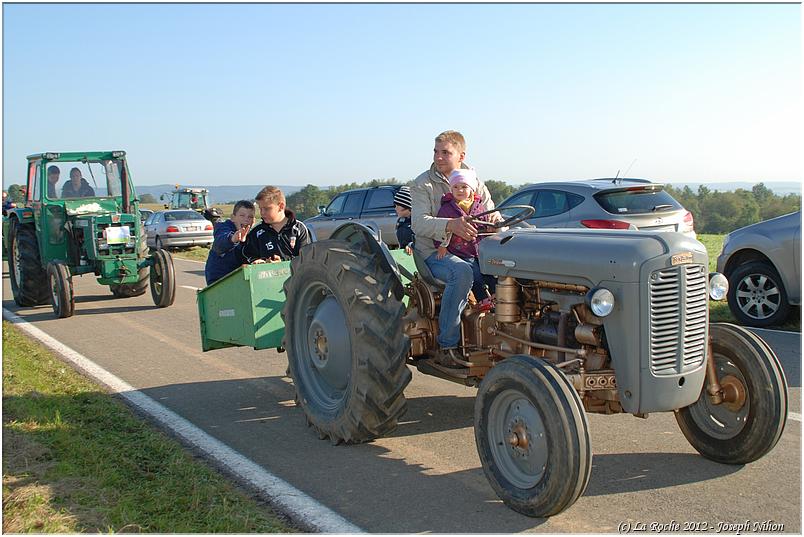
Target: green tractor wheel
<point>163,279</point>
<point>60,283</point>
<point>28,279</point>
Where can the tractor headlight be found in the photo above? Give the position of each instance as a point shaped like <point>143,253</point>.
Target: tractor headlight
<point>600,301</point>
<point>718,286</point>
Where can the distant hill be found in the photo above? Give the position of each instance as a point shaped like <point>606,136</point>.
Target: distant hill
<point>217,194</point>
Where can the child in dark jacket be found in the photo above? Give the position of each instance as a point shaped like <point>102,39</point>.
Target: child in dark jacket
<point>226,253</point>
<point>404,233</point>
<point>463,200</point>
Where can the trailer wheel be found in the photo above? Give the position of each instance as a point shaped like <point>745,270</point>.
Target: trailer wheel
<point>344,340</point>
<point>128,290</point>
<point>749,423</point>
<point>163,279</point>
<point>28,277</point>
<point>532,436</point>
<point>61,289</point>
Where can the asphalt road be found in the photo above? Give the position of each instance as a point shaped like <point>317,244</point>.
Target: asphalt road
<point>426,476</point>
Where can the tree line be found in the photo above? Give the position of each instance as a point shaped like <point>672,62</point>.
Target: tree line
<point>713,211</point>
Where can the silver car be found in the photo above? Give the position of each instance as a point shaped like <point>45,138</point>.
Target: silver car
<point>179,228</point>
<point>763,264</point>
<point>604,203</point>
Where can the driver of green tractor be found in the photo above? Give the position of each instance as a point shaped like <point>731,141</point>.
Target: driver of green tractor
<point>77,187</point>
<point>279,236</point>
<point>426,193</point>
<point>194,202</point>
<point>226,253</point>
<point>53,174</point>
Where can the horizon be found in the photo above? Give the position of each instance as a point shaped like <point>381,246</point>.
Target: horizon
<point>297,94</point>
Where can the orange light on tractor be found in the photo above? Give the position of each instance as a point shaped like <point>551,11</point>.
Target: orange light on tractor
<point>172,229</point>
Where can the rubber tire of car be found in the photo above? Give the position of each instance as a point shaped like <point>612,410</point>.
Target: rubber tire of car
<point>162,279</point>
<point>749,271</point>
<point>345,342</point>
<point>158,244</point>
<point>555,463</point>
<point>31,289</point>
<point>60,284</point>
<point>739,435</point>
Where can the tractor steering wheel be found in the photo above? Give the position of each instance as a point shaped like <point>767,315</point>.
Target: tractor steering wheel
<point>521,215</point>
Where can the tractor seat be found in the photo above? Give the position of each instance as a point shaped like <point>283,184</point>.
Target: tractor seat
<point>424,272</point>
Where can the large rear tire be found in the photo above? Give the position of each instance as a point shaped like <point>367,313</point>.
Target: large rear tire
<point>28,278</point>
<point>532,436</point>
<point>745,429</point>
<point>163,279</point>
<point>345,344</point>
<point>61,289</point>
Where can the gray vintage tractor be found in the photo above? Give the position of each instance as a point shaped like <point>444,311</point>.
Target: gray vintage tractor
<point>585,321</point>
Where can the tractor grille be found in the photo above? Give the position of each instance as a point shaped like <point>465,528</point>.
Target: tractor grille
<point>677,319</point>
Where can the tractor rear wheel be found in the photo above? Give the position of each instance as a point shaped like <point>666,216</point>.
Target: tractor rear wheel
<point>345,344</point>
<point>28,277</point>
<point>750,421</point>
<point>61,289</point>
<point>163,279</point>
<point>128,290</point>
<point>532,436</point>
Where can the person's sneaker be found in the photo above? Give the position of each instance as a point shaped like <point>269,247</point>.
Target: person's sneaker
<point>485,305</point>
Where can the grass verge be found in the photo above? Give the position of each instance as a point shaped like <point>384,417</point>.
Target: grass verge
<point>76,459</point>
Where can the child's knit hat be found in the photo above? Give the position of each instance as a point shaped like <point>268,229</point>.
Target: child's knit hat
<point>402,197</point>
<point>467,176</point>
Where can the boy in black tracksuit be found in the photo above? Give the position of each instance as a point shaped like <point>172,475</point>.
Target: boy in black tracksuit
<point>279,236</point>
<point>404,233</point>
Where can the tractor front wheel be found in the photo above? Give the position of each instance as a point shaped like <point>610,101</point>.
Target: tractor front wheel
<point>750,420</point>
<point>163,279</point>
<point>345,344</point>
<point>28,278</point>
<point>532,436</point>
<point>61,289</point>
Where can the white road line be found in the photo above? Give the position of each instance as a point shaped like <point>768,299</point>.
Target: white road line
<point>191,287</point>
<point>772,330</point>
<point>795,416</point>
<point>300,507</point>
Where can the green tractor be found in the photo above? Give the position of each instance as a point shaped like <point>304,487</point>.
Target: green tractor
<point>196,199</point>
<point>69,227</point>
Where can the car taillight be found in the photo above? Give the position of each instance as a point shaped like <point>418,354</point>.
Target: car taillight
<point>172,229</point>
<point>606,224</point>
<point>689,223</point>
<point>208,227</point>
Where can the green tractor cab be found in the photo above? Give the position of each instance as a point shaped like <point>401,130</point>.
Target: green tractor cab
<point>194,198</point>
<point>81,216</point>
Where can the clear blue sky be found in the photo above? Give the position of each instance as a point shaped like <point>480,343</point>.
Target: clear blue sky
<point>327,94</point>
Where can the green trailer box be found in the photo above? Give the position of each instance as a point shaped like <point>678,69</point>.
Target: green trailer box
<point>243,309</point>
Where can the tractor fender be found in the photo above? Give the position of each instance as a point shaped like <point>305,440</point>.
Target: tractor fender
<point>366,236</point>
<point>23,215</point>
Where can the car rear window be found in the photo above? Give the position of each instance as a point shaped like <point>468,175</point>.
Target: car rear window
<point>183,215</point>
<point>637,201</point>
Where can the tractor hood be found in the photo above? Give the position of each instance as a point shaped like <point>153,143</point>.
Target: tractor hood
<point>582,256</point>
<point>91,206</point>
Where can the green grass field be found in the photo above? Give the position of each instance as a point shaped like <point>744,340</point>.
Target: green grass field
<point>76,460</point>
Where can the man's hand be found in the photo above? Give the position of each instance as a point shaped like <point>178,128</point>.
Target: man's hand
<point>272,259</point>
<point>462,227</point>
<point>240,234</point>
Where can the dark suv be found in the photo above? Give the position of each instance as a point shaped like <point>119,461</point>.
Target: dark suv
<point>372,206</point>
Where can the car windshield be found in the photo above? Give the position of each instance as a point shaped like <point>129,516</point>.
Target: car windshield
<point>84,179</point>
<point>172,216</point>
<point>637,201</point>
